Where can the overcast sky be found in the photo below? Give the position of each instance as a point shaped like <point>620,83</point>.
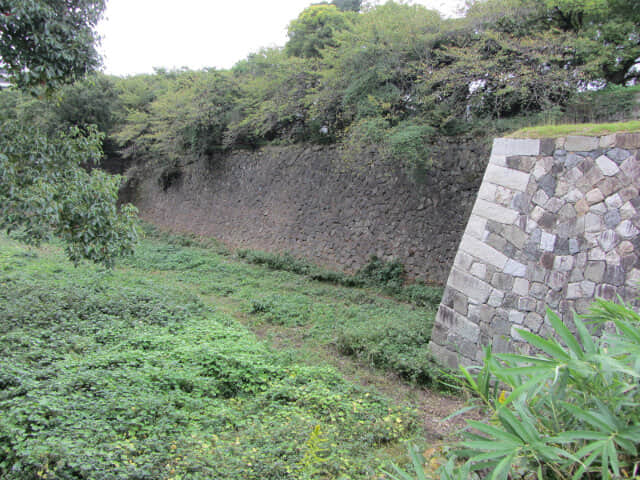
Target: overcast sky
<point>138,35</point>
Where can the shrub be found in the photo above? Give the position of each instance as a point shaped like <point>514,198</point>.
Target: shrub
<point>381,273</point>
<point>568,412</point>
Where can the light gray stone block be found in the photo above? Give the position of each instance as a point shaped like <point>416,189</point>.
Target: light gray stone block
<point>515,269</point>
<point>557,280</point>
<point>574,246</point>
<point>607,240</point>
<point>607,166</point>
<point>527,304</point>
<point>482,251</point>
<point>493,211</point>
<point>613,201</point>
<point>631,168</point>
<point>487,191</point>
<point>476,226</point>
<point>515,146</point>
<point>538,290</point>
<point>607,141</point>
<point>534,321</point>
<point>479,270</point>
<point>633,278</point>
<point>594,196</point>
<point>521,287</point>
<point>613,258</point>
<point>472,287</point>
<point>455,322</point>
<point>547,242</point>
<point>598,208</point>
<point>463,261</point>
<point>628,193</point>
<point>554,205</point>
<point>563,263</point>
<point>445,356</point>
<point>625,248</point>
<point>573,195</point>
<point>593,223</point>
<point>627,211</point>
<point>595,271</point>
<point>516,317</point>
<point>540,198</point>
<point>500,160</point>
<point>496,298</point>
<point>574,291</point>
<point>507,177</point>
<point>612,218</point>
<point>627,230</point>
<point>579,143</point>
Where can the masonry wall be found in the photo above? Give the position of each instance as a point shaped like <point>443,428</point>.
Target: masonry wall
<point>309,201</point>
<point>556,223</point>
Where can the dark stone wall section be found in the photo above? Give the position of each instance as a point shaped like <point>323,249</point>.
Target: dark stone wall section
<point>309,201</point>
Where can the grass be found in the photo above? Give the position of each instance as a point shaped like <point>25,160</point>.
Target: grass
<point>145,372</point>
<point>589,129</point>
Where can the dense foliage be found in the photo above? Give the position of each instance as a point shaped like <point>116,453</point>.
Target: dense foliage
<point>44,191</point>
<point>46,187</point>
<point>45,44</point>
<point>392,77</point>
<point>143,372</point>
<point>568,412</point>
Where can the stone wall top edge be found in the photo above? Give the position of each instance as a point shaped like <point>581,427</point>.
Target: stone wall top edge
<point>574,142</point>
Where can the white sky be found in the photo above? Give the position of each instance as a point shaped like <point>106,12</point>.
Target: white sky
<point>138,35</point>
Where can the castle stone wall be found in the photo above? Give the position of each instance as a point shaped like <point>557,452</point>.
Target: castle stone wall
<point>555,224</point>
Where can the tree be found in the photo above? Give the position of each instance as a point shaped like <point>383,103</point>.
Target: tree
<point>602,35</point>
<point>315,29</point>
<point>46,43</point>
<point>44,189</point>
<point>348,5</point>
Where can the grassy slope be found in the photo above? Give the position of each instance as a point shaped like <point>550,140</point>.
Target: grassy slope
<point>589,129</point>
<point>142,373</point>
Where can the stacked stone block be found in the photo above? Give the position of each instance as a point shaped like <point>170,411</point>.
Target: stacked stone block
<point>556,224</point>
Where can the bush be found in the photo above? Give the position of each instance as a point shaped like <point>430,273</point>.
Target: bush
<point>568,412</point>
<point>381,273</point>
<point>390,343</point>
<point>275,261</point>
<point>377,273</point>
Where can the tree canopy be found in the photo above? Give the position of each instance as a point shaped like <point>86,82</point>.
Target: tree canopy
<point>393,77</point>
<point>48,183</point>
<point>46,43</point>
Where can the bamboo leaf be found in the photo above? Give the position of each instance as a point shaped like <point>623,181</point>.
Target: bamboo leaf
<point>551,347</point>
<point>564,333</point>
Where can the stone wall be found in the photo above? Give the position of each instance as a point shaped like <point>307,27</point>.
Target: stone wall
<point>555,224</point>
<point>308,201</point>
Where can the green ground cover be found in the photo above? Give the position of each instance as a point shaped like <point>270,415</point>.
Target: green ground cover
<point>144,372</point>
<point>593,129</point>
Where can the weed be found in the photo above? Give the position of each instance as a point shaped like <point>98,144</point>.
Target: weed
<point>131,374</point>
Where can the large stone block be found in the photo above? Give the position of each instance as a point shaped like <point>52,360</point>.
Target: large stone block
<point>457,324</point>
<point>628,140</point>
<point>607,166</point>
<point>579,143</point>
<point>515,146</point>
<point>472,287</point>
<point>507,177</point>
<point>482,251</point>
<point>515,269</point>
<point>493,211</point>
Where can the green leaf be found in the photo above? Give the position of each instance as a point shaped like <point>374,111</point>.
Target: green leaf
<point>561,329</point>
<point>551,347</point>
